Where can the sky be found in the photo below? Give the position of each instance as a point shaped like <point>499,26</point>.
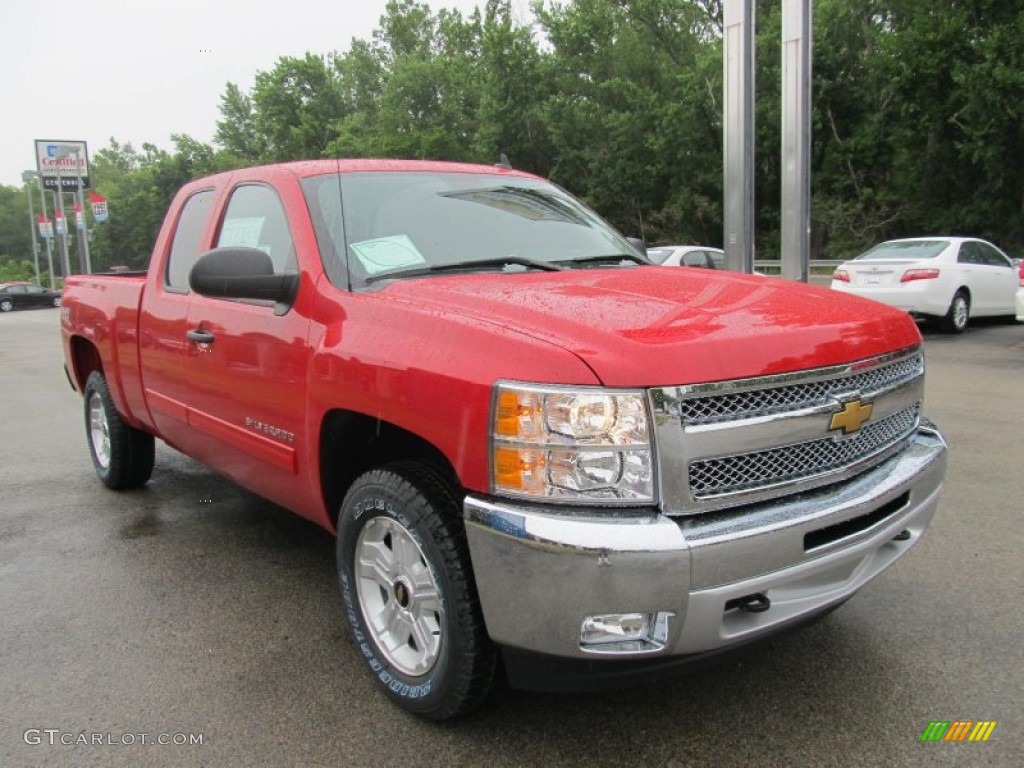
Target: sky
<point>138,70</point>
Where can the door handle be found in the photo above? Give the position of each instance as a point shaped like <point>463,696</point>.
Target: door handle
<point>200,337</point>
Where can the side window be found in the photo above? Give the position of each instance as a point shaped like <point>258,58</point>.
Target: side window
<point>16,289</point>
<point>968,254</point>
<point>991,256</point>
<point>33,289</point>
<point>256,219</point>
<point>185,246</point>
<point>695,259</point>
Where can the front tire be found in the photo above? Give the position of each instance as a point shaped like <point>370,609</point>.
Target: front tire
<point>408,591</point>
<point>955,320</point>
<point>122,455</point>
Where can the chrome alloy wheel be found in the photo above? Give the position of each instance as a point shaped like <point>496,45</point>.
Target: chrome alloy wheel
<point>398,596</point>
<point>99,430</point>
<point>960,312</point>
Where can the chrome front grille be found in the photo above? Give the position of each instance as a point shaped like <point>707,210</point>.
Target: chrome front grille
<point>763,401</point>
<point>762,469</point>
<point>730,443</point>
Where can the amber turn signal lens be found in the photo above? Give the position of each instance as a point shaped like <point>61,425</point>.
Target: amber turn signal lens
<point>506,422</point>
<point>507,470</point>
<point>519,469</point>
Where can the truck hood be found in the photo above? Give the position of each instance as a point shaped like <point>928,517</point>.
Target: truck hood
<point>665,326</point>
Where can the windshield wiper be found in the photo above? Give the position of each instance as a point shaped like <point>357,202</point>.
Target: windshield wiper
<point>465,266</point>
<point>608,258</point>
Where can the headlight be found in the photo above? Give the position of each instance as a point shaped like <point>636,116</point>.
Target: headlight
<point>566,444</point>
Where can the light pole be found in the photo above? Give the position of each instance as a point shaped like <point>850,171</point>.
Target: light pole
<point>46,217</point>
<point>64,150</point>
<point>738,134</point>
<point>58,215</point>
<point>81,209</point>
<point>26,178</point>
<point>796,139</point>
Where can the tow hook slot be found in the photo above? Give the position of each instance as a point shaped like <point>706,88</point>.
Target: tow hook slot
<point>901,536</point>
<point>755,603</point>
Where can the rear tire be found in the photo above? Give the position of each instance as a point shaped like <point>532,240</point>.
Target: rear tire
<point>122,455</point>
<point>409,594</point>
<point>6,305</point>
<point>955,320</point>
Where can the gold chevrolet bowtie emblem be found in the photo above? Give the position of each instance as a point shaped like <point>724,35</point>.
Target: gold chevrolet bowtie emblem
<point>852,417</point>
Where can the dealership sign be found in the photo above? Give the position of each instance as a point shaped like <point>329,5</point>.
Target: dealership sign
<point>61,163</point>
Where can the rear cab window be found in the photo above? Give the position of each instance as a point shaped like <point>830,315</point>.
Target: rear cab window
<point>185,245</point>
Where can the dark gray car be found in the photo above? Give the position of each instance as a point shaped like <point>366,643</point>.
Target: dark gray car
<point>20,295</point>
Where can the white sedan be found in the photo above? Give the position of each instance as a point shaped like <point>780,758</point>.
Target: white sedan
<point>687,256</point>
<point>949,278</point>
<point>1020,295</point>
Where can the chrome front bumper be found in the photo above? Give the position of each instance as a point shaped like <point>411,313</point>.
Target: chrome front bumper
<point>541,571</point>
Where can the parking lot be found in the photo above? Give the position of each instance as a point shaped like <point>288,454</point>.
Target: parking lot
<point>192,607</point>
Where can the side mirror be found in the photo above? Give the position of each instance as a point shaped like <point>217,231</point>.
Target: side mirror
<point>243,273</point>
<point>637,243</point>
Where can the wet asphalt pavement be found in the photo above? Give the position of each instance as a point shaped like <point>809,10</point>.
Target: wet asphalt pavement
<point>192,608</point>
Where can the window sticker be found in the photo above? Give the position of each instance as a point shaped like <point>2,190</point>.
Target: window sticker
<point>241,232</point>
<point>387,253</point>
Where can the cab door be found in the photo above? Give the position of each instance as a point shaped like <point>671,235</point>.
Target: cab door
<point>163,319</point>
<point>247,365</point>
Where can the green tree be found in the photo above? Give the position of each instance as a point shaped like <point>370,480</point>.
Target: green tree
<point>415,92</point>
<point>296,107</point>
<point>22,270</point>
<point>15,235</point>
<point>236,130</point>
<point>632,113</point>
<point>514,83</point>
<point>139,186</point>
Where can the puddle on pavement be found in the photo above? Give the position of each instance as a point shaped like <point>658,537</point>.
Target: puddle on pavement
<point>141,525</point>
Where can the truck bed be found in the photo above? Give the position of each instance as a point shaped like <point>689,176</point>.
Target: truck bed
<point>104,309</point>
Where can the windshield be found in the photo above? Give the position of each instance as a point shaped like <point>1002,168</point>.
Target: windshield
<point>378,225</point>
<point>905,249</point>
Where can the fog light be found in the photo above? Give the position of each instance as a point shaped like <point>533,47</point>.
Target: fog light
<point>614,628</point>
<point>624,632</point>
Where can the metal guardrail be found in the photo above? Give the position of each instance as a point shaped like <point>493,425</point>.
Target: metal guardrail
<point>819,272</point>
<point>774,265</point>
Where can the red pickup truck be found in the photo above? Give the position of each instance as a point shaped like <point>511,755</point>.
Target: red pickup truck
<point>535,447</point>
